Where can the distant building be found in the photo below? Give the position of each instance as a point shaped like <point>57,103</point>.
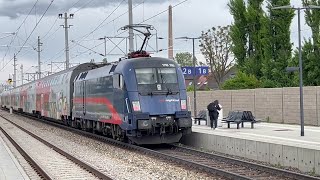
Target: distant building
<point>208,82</point>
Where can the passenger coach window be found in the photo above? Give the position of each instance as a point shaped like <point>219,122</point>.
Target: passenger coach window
<point>146,76</point>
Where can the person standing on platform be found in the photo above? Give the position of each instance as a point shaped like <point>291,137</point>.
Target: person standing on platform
<point>214,109</point>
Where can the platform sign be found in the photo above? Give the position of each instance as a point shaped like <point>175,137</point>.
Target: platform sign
<point>187,70</point>
<point>200,70</point>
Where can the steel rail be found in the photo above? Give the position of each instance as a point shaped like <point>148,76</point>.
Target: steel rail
<point>82,164</point>
<point>30,161</point>
<point>260,167</point>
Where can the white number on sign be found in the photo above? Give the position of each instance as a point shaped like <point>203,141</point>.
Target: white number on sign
<point>184,70</point>
<point>204,71</point>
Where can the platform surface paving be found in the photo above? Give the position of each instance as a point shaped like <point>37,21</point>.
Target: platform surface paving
<point>10,169</point>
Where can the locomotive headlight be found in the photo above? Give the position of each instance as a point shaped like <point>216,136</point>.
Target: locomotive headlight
<point>183,104</point>
<point>136,105</point>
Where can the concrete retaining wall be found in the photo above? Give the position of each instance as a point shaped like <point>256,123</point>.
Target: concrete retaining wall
<point>306,160</point>
<point>278,105</point>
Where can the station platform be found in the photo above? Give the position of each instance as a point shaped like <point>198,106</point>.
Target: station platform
<point>9,166</point>
<point>277,144</point>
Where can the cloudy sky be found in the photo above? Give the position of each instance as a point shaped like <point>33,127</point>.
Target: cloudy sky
<point>94,19</point>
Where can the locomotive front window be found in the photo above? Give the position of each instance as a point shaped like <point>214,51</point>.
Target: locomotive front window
<point>146,76</point>
<point>167,75</point>
<point>149,76</point>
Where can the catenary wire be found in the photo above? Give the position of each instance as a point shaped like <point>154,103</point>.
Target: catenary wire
<point>30,33</point>
<point>16,32</point>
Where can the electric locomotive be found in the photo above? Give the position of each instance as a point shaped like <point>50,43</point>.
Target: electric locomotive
<point>142,100</point>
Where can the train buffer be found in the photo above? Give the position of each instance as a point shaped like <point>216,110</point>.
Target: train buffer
<point>240,117</point>
<point>202,116</point>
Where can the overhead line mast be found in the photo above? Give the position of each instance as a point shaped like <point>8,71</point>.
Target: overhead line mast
<point>131,34</point>
<point>66,27</point>
<point>39,60</point>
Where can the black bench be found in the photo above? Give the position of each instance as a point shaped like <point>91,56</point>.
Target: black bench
<point>240,117</point>
<point>202,116</point>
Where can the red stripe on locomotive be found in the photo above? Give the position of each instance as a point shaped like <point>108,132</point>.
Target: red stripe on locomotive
<point>115,117</point>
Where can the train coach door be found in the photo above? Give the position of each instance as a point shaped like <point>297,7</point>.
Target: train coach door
<point>83,86</point>
<point>41,105</point>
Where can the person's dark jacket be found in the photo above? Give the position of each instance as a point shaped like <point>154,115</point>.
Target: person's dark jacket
<point>213,109</point>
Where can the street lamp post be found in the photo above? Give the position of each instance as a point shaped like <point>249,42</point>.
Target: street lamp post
<point>300,58</point>
<point>194,73</point>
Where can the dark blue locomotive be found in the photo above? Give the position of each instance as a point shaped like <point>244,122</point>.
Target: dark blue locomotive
<point>141,100</point>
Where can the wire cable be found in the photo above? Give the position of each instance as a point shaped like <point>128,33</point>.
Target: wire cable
<point>100,25</point>
<point>16,32</point>
<point>140,22</point>
<point>83,6</point>
<point>155,15</point>
<point>31,32</point>
<point>43,37</point>
<point>163,11</point>
<point>80,39</point>
<point>88,49</point>
<point>74,5</point>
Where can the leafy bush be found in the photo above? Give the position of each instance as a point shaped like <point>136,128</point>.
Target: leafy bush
<point>241,81</point>
<point>190,88</point>
<point>268,84</point>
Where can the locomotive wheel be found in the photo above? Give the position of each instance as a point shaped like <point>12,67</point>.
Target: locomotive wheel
<point>74,123</point>
<point>113,131</point>
<point>121,136</point>
<point>129,141</point>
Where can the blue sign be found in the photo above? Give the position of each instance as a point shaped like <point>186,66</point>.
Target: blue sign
<point>202,70</point>
<point>189,71</point>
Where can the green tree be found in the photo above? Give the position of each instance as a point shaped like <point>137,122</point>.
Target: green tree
<point>311,70</point>
<point>256,32</point>
<point>311,47</point>
<point>238,31</point>
<point>247,33</point>
<point>241,81</point>
<point>216,47</point>
<point>278,46</point>
<point>261,40</point>
<point>104,60</point>
<point>185,59</point>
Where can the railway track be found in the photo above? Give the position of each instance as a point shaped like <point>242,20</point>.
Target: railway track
<point>42,174</point>
<point>62,166</point>
<point>229,167</point>
<point>217,165</point>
